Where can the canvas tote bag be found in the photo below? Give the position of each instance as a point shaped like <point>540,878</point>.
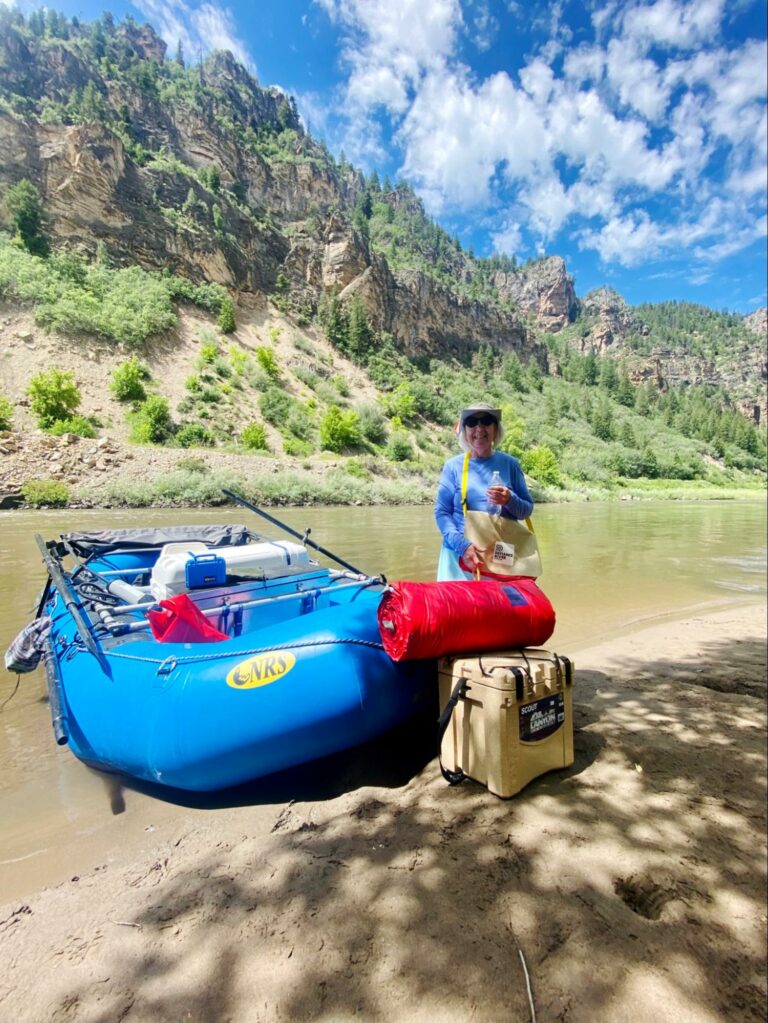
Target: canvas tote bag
<point>510,545</point>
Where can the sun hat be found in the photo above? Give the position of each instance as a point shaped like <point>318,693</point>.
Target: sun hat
<point>478,408</point>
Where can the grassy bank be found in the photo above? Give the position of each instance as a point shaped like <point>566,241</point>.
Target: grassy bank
<point>292,487</point>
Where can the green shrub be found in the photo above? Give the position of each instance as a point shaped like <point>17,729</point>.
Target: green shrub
<point>275,405</point>
<point>340,430</point>
<point>373,425</point>
<point>6,413</point>
<point>78,425</point>
<point>307,377</point>
<point>354,468</point>
<point>193,384</point>
<point>221,367</point>
<point>53,395</point>
<point>541,463</point>
<point>341,385</point>
<point>127,381</point>
<point>151,422</point>
<point>253,437</point>
<point>226,321</point>
<point>399,448</point>
<point>296,448</point>
<point>299,423</point>
<point>193,435</point>
<point>45,493</point>
<point>400,402</point>
<point>192,464</point>
<point>238,358</point>
<point>266,359</point>
<point>209,352</point>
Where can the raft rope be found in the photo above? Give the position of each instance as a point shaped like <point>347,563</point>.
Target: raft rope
<point>166,666</point>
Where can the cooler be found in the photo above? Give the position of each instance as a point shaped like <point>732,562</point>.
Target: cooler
<point>514,719</point>
<point>170,571</point>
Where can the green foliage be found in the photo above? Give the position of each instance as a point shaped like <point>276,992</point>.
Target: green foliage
<point>399,448</point>
<point>373,425</point>
<point>541,463</point>
<point>299,423</point>
<point>6,413</point>
<point>78,425</point>
<point>72,296</point>
<point>45,494</point>
<point>400,402</point>
<point>226,321</point>
<point>339,430</point>
<point>194,435</point>
<point>253,437</point>
<point>23,203</point>
<point>341,384</point>
<point>296,448</point>
<point>127,380</point>
<point>238,358</point>
<point>53,395</point>
<point>267,361</point>
<point>151,422</point>
<point>209,352</point>
<point>275,406</point>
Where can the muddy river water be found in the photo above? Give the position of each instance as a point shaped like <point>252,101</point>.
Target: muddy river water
<point>608,569</point>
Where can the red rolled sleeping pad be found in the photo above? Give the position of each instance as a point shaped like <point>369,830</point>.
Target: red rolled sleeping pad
<point>421,620</point>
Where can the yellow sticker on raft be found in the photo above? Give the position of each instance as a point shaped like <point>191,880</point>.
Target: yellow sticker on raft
<point>261,670</point>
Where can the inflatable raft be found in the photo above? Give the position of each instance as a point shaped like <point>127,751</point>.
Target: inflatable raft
<point>203,657</point>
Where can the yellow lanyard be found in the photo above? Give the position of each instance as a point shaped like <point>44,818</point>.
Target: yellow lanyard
<point>464,478</point>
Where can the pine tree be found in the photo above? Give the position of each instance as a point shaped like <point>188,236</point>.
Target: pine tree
<point>226,321</point>
<point>23,203</point>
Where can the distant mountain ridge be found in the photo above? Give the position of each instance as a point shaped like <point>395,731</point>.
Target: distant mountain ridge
<point>201,171</point>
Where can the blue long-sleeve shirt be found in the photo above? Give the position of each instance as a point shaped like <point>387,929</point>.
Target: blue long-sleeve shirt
<point>449,513</point>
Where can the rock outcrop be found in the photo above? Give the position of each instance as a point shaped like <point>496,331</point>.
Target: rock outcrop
<point>543,289</point>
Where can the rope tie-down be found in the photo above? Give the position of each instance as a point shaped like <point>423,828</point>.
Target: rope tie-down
<point>168,664</point>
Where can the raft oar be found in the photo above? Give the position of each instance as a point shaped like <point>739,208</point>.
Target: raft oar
<point>299,536</point>
<point>57,576</point>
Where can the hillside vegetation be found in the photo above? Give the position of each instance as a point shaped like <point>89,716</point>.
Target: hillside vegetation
<point>311,361</point>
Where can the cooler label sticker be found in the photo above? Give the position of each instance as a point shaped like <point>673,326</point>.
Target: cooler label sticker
<point>541,718</point>
<point>503,553</point>
<point>261,670</point>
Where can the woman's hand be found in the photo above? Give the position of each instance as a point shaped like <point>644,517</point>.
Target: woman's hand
<point>499,495</point>
<point>473,556</point>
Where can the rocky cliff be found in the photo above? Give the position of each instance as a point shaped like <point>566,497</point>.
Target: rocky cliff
<point>204,172</point>
<point>209,175</point>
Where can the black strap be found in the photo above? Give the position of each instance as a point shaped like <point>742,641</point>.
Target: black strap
<point>452,777</point>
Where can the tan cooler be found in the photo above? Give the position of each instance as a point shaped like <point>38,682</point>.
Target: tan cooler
<point>512,719</point>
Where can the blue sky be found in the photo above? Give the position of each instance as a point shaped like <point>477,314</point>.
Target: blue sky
<point>628,136</point>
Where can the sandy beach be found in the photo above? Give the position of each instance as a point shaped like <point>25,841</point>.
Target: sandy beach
<point>631,886</point>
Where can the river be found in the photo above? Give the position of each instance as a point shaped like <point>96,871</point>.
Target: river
<point>608,569</point>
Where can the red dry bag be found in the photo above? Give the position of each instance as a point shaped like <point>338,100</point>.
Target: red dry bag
<point>179,620</point>
<point>419,620</point>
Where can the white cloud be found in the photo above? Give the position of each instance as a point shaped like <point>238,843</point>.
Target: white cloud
<point>646,140</point>
<point>508,239</point>
<point>669,23</point>
<point>200,29</point>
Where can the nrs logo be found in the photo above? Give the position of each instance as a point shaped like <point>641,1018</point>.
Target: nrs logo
<point>260,670</point>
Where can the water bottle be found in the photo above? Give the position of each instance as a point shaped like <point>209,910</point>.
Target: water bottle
<point>496,481</point>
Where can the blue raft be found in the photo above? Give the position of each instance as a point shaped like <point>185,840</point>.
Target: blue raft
<point>301,675</point>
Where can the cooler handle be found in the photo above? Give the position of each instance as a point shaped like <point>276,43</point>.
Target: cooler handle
<point>452,777</point>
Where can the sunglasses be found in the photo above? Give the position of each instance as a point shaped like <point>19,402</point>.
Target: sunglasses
<point>479,421</point>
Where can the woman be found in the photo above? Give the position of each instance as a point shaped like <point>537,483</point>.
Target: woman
<point>478,430</point>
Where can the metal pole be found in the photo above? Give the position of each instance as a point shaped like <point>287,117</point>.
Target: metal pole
<point>281,525</point>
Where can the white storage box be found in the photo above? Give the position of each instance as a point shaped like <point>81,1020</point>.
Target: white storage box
<point>169,571</point>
